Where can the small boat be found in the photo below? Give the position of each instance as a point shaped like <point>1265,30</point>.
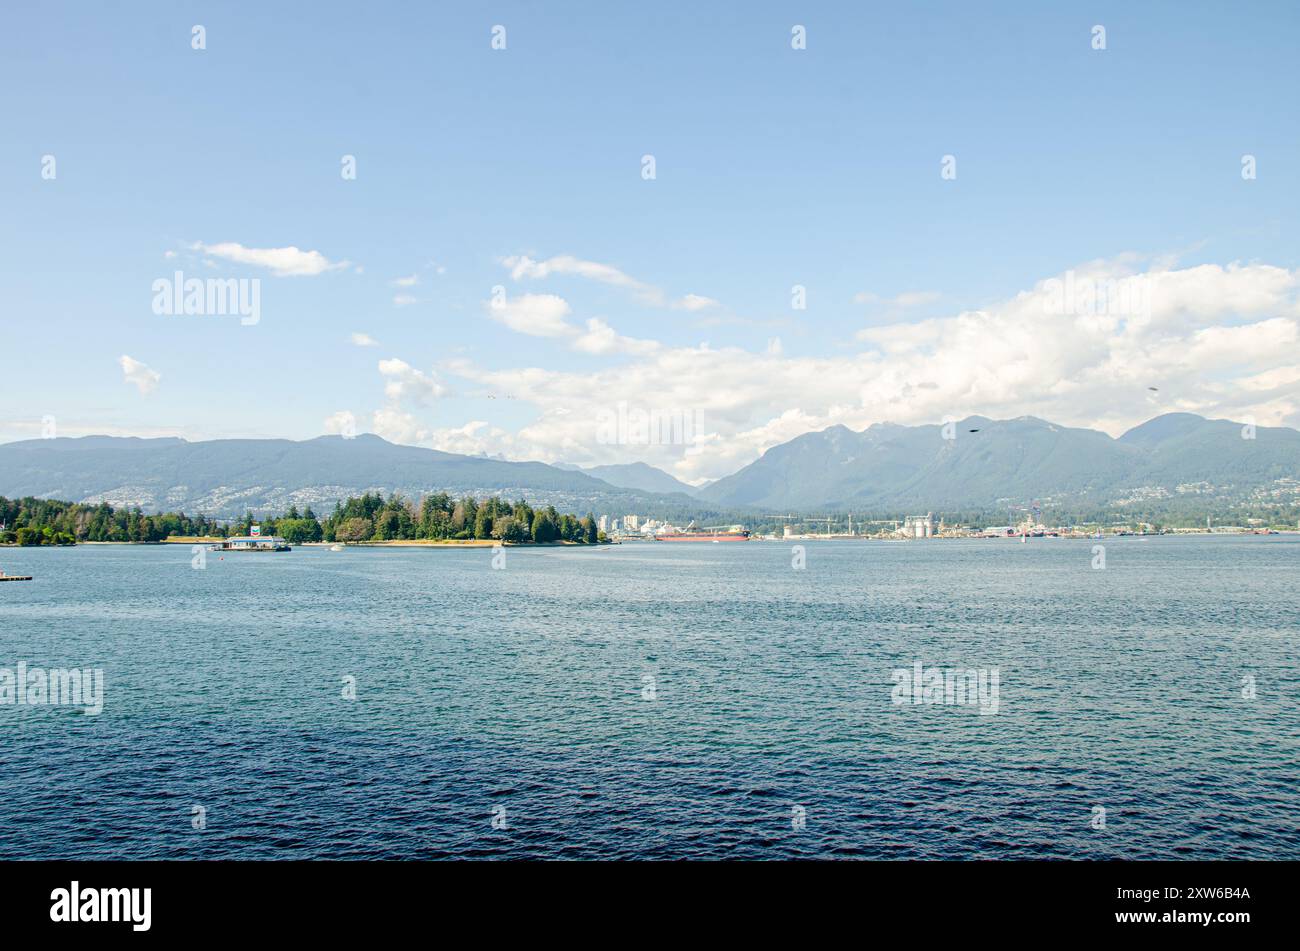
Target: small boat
<point>336,547</point>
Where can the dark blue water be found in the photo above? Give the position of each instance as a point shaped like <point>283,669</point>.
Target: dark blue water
<point>521,694</point>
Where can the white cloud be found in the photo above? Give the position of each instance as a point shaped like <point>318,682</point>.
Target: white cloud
<point>364,340</point>
<point>538,315</point>
<point>601,338</point>
<point>138,375</point>
<point>475,438</point>
<point>523,266</point>
<point>404,382</point>
<point>403,300</point>
<point>544,315</point>
<point>283,262</point>
<point>344,422</point>
<point>404,386</point>
<point>396,425</point>
<point>410,281</point>
<point>695,302</point>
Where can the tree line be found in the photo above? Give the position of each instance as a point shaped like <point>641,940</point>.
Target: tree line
<point>32,521</point>
<point>369,517</point>
<point>439,517</point>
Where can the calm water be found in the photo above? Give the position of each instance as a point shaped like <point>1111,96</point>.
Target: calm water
<point>522,693</point>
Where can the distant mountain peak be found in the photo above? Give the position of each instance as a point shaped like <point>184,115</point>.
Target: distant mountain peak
<point>640,476</point>
<point>1165,426</point>
<point>100,442</point>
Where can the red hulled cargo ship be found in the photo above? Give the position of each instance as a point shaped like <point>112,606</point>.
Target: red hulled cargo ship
<point>735,533</point>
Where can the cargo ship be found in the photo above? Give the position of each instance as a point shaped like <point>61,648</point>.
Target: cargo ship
<point>735,533</point>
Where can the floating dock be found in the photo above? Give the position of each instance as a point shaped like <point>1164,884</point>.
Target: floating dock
<point>252,543</point>
<point>15,577</point>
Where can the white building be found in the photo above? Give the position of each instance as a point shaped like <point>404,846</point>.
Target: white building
<point>919,526</point>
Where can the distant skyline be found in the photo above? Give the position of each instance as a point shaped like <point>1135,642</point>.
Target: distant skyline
<point>501,271</point>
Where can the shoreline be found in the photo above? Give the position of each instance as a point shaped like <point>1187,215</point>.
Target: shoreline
<point>492,543</point>
<point>387,543</point>
<point>447,543</point>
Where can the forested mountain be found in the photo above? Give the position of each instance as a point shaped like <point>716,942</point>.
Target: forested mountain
<point>231,476</point>
<point>986,463</point>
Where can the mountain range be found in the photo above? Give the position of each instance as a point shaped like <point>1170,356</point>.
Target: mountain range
<point>227,477</point>
<point>1171,461</point>
<point>988,463</point>
<point>634,475</point>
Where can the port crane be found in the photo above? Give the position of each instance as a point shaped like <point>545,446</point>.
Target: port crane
<point>795,518</point>
<point>783,518</point>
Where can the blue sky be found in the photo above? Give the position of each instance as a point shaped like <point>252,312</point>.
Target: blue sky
<point>775,167</point>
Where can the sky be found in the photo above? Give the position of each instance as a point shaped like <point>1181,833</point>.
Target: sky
<point>637,210</point>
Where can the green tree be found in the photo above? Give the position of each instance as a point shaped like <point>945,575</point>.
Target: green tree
<point>509,529</point>
<point>355,530</point>
<point>298,531</point>
<point>544,527</point>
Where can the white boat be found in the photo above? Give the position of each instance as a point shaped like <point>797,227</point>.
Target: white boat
<point>336,547</point>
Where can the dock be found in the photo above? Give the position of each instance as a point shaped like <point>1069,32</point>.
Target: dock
<point>15,577</point>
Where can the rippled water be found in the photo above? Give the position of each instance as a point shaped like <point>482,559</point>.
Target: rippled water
<point>523,694</point>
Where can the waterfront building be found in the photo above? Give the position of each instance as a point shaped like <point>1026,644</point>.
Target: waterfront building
<point>254,543</point>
